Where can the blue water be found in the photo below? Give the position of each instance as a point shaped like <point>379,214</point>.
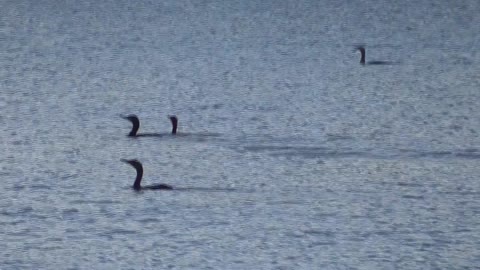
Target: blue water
<point>317,163</point>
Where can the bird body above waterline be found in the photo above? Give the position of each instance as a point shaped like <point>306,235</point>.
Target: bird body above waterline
<point>139,168</point>
<point>363,55</point>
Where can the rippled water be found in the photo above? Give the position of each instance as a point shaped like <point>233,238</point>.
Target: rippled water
<point>293,155</point>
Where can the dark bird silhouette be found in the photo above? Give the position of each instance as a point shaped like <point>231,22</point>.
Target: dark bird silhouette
<point>362,59</point>
<point>174,121</point>
<point>136,125</point>
<point>139,168</point>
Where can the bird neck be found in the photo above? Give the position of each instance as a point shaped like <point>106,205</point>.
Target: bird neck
<point>135,127</point>
<point>174,127</point>
<point>136,185</point>
<point>362,60</point>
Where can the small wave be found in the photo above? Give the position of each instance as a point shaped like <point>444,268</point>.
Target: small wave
<point>338,137</point>
<point>70,211</point>
<point>415,197</point>
<point>181,135</point>
<point>192,189</point>
<point>405,184</point>
<point>205,189</point>
<point>463,154</point>
<point>468,155</point>
<point>122,231</point>
<point>12,223</point>
<point>433,154</point>
<point>149,220</point>
<point>318,152</point>
<point>40,187</point>
<point>260,148</point>
<point>319,232</point>
<point>321,152</point>
<point>461,193</point>
<point>24,210</point>
<point>94,202</point>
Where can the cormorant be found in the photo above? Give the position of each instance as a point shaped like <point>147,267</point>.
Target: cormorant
<point>136,185</point>
<point>362,59</point>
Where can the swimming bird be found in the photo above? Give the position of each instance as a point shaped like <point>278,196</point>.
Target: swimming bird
<point>136,125</point>
<point>136,185</point>
<point>362,59</point>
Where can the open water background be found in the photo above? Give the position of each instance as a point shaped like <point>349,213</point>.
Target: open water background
<point>319,162</point>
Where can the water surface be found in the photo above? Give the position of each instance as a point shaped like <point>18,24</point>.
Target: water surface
<point>317,163</point>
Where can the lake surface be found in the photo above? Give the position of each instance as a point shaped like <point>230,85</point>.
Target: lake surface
<point>293,155</point>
